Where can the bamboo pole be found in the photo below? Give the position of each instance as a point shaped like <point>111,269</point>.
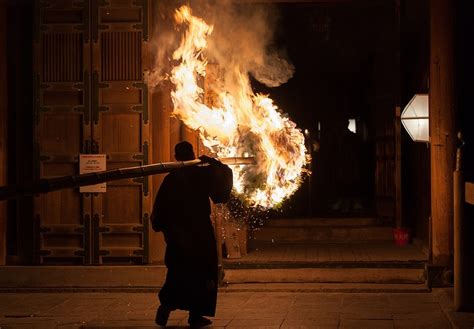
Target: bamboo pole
<point>58,183</point>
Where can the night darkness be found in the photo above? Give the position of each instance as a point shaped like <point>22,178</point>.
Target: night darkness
<point>333,50</point>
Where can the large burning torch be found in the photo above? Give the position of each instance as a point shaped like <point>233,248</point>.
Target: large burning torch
<point>237,121</point>
<point>58,183</point>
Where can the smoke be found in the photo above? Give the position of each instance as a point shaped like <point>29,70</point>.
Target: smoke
<point>162,44</point>
<point>243,38</point>
<point>274,71</point>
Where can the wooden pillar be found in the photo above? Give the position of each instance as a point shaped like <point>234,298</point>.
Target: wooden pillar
<point>442,128</point>
<point>3,129</point>
<point>161,110</point>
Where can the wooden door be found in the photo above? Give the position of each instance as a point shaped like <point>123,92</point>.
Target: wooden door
<point>386,119</point>
<point>62,128</point>
<point>91,98</point>
<point>120,129</point>
<point>386,169</point>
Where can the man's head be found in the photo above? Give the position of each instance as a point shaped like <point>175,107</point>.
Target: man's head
<point>183,151</point>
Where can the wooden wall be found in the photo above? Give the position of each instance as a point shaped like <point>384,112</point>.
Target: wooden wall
<point>3,128</point>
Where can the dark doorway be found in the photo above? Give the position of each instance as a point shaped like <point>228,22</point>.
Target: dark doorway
<point>335,97</point>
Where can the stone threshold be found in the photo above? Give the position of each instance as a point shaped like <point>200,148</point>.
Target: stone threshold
<point>244,264</point>
<point>77,277</point>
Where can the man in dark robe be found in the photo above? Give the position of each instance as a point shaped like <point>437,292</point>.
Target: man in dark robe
<point>182,212</point>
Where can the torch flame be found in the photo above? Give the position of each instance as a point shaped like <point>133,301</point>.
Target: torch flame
<point>240,123</point>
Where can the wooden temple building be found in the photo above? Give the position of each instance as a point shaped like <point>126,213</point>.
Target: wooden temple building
<point>72,82</point>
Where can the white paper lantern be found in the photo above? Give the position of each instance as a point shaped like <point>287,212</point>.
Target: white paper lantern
<point>415,118</point>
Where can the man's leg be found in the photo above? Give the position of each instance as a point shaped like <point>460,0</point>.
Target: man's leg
<point>162,315</point>
<point>196,320</point>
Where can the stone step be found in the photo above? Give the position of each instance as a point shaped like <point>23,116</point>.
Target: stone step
<point>327,287</point>
<point>244,264</point>
<point>329,234</point>
<point>359,253</point>
<point>378,275</point>
<point>150,277</point>
<point>81,277</point>
<point>322,221</point>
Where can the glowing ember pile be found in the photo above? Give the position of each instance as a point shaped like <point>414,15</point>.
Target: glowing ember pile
<point>241,123</point>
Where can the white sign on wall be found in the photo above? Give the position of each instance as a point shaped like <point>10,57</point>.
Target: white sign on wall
<point>89,163</point>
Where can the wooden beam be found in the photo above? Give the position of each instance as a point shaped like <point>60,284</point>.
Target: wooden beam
<point>3,130</point>
<point>442,128</point>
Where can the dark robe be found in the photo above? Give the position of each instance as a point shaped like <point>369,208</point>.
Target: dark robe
<point>182,212</point>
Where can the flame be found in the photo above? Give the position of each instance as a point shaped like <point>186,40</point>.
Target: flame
<point>241,123</point>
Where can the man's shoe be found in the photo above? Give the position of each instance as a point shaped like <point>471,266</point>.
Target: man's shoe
<point>162,315</point>
<point>198,321</point>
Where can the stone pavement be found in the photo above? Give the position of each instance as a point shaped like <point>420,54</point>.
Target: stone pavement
<point>237,310</point>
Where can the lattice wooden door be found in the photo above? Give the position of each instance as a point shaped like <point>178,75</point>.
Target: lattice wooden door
<point>91,98</point>
<point>120,129</point>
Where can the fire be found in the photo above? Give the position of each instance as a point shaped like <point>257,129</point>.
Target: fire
<point>241,123</point>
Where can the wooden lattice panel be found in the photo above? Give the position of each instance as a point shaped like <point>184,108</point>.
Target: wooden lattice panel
<point>62,57</point>
<point>121,56</point>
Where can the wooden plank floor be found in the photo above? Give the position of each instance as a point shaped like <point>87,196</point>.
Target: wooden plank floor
<point>338,252</point>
